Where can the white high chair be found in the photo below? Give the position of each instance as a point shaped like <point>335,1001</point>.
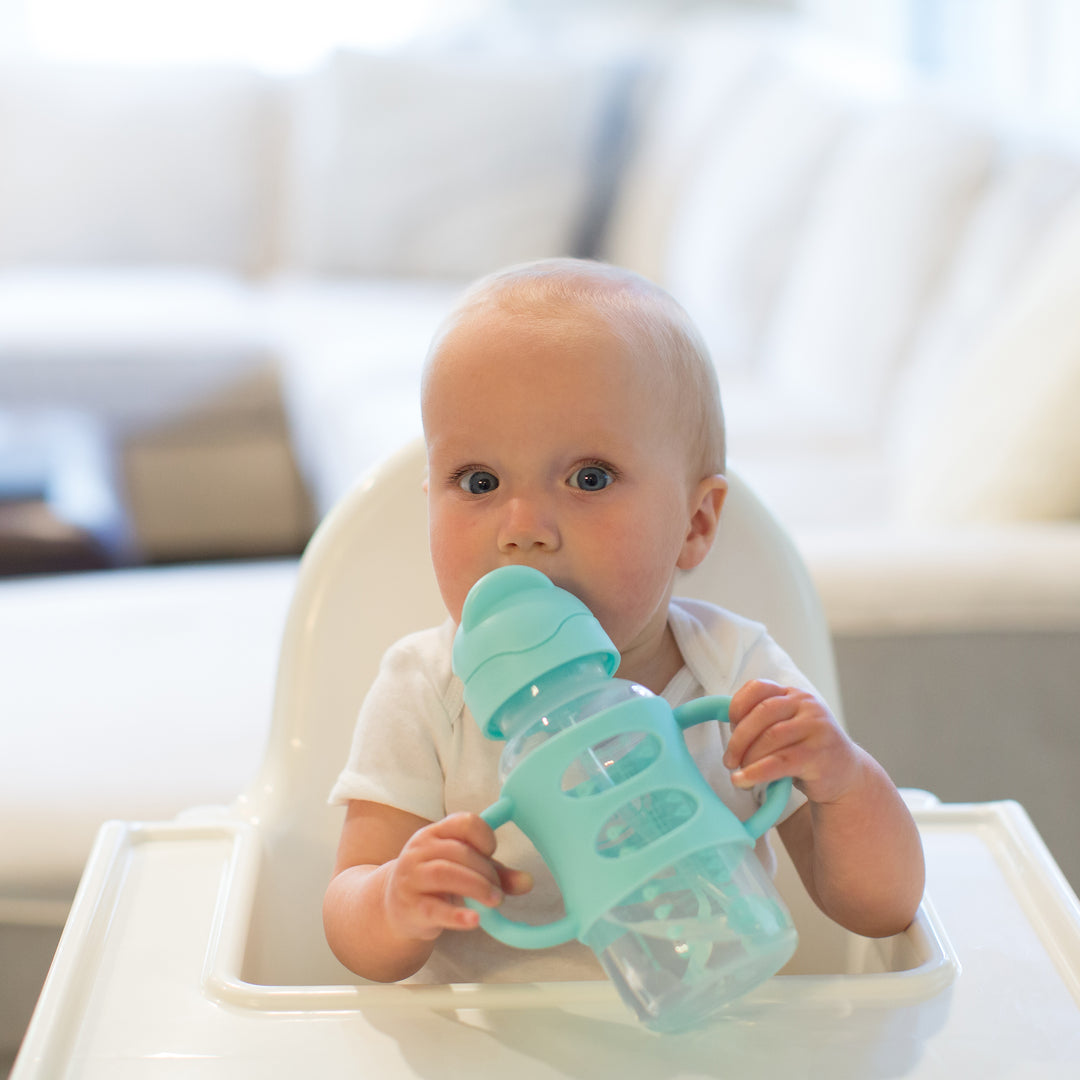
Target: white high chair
<point>367,580</point>
<point>200,940</point>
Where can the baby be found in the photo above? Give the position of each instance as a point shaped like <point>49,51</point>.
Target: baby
<point>573,424</point>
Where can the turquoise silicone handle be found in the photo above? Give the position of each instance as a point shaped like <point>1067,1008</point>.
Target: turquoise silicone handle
<point>777,794</point>
<point>518,934</point>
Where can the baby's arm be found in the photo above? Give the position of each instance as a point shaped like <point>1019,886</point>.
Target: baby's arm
<point>396,883</point>
<point>854,844</point>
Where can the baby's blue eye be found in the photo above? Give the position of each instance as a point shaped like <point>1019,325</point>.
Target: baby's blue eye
<point>478,482</point>
<point>591,478</point>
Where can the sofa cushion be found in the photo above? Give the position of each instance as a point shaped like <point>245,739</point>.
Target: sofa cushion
<point>173,165</point>
<point>442,164</point>
<point>884,219</point>
<point>128,694</point>
<point>1021,578</point>
<point>738,217</point>
<point>133,346</point>
<point>350,370</point>
<point>1026,197</point>
<point>698,82</point>
<point>1001,442</point>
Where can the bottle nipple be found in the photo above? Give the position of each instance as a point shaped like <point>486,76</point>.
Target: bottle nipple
<point>516,626</point>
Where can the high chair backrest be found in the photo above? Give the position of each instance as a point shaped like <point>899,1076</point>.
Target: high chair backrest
<point>365,581</point>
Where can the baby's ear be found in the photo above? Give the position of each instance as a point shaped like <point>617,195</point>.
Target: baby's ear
<point>706,503</point>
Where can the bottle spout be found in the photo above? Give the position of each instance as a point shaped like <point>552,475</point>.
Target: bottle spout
<point>516,626</point>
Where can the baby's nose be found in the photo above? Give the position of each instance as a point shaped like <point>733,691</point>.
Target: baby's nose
<point>527,524</point>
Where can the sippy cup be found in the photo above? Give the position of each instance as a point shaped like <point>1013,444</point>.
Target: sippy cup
<point>658,876</point>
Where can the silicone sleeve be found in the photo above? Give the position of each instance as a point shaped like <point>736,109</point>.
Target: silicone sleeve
<point>528,936</point>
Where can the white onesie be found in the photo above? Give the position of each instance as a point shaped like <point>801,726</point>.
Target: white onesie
<point>417,748</point>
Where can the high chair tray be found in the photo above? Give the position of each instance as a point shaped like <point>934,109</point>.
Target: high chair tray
<point>151,979</point>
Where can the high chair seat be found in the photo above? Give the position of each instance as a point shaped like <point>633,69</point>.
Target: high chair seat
<point>199,940</point>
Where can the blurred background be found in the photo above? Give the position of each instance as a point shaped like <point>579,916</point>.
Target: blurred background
<point>229,228</point>
<point>188,192</point>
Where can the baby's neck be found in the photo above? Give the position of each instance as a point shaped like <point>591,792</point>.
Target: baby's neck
<point>655,667</point>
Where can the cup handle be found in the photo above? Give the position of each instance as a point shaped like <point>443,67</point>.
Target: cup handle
<point>701,711</point>
<point>519,935</point>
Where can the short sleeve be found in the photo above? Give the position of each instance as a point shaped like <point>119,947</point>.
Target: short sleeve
<point>403,731</point>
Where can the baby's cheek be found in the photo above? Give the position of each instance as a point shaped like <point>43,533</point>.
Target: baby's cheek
<point>453,587</point>
<point>629,613</point>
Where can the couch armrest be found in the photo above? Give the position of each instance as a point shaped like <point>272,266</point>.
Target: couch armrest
<point>1021,577</point>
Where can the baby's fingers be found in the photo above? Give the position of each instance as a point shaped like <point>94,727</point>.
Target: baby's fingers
<point>473,831</point>
<point>424,895</point>
<point>428,855</point>
<point>764,770</point>
<point>468,828</point>
<point>447,877</point>
<point>434,914</point>
<point>514,882</point>
<point>749,696</point>
<point>755,709</point>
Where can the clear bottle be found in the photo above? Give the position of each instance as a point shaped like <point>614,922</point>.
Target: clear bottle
<point>660,879</point>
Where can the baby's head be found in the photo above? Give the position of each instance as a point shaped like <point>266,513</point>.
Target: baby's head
<point>573,424</point>
<point>655,329</point>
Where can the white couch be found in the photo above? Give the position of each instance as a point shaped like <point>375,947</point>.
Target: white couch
<point>239,275</point>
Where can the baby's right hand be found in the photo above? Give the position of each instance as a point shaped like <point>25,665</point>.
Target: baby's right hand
<point>440,864</point>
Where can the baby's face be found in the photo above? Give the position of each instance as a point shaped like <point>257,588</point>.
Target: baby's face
<point>550,445</point>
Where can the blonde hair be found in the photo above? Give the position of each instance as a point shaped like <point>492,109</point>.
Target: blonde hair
<point>644,316</point>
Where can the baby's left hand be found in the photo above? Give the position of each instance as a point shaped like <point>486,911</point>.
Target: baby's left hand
<point>779,731</point>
